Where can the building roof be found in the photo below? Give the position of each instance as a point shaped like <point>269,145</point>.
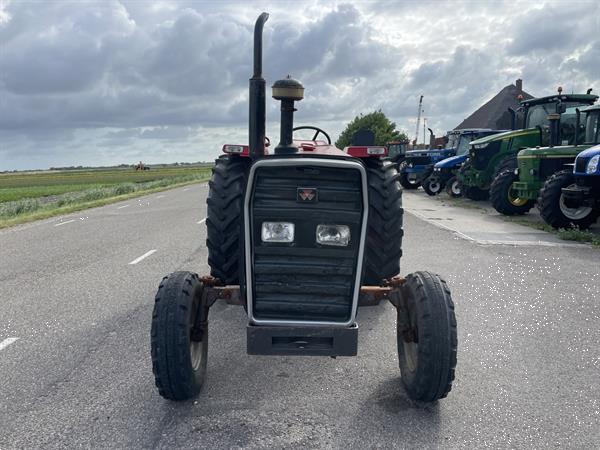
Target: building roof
<point>494,114</point>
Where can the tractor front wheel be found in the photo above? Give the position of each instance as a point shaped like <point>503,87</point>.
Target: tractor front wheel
<point>556,212</point>
<point>454,187</point>
<point>427,337</point>
<point>404,180</point>
<point>432,186</point>
<point>475,193</point>
<point>503,197</point>
<point>383,247</point>
<point>179,336</point>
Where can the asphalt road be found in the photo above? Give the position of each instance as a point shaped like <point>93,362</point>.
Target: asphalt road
<point>75,359</point>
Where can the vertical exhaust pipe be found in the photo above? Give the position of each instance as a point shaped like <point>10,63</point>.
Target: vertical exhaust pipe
<point>257,113</point>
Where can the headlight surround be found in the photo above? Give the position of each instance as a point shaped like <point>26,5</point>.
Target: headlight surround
<point>592,165</point>
<point>277,232</point>
<point>336,235</point>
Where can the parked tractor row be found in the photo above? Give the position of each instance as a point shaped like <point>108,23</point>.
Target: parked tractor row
<point>546,162</point>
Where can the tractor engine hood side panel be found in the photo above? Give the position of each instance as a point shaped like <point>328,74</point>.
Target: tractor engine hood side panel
<point>303,282</point>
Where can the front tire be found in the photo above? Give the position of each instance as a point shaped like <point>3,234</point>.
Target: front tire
<point>224,217</point>
<point>427,337</point>
<point>179,336</point>
<point>475,193</point>
<point>383,247</point>
<point>503,199</point>
<point>404,181</point>
<point>454,187</point>
<point>432,186</point>
<point>553,209</point>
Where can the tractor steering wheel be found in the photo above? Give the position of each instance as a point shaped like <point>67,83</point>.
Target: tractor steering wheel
<point>317,132</point>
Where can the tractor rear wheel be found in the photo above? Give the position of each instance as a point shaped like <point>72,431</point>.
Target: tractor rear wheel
<point>179,336</point>
<point>454,187</point>
<point>553,209</point>
<point>432,186</point>
<point>383,247</point>
<point>404,181</point>
<point>427,337</point>
<point>503,198</point>
<point>224,217</point>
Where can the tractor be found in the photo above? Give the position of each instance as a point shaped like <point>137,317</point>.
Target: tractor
<point>443,173</point>
<point>300,237</point>
<point>491,155</point>
<point>397,151</point>
<point>514,192</point>
<point>571,198</point>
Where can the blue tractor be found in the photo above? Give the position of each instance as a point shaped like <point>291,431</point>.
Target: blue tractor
<point>571,198</point>
<point>444,170</point>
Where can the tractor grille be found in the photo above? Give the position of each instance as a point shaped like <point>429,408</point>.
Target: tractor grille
<point>419,160</point>
<point>549,166</point>
<point>304,281</point>
<point>580,164</point>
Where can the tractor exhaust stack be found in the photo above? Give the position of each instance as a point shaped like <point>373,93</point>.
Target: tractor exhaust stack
<point>257,113</point>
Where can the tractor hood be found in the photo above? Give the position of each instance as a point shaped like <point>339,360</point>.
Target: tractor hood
<point>430,152</point>
<point>451,162</point>
<point>502,136</point>
<point>593,151</point>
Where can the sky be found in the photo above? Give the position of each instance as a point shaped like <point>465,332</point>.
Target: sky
<point>115,82</point>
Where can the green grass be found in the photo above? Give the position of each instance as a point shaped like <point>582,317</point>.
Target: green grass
<point>36,195</point>
<point>571,234</point>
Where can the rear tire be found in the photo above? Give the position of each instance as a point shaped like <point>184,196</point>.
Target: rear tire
<point>454,188</point>
<point>179,336</point>
<point>224,217</point>
<point>404,181</point>
<point>502,198</point>
<point>432,187</point>
<point>427,337</point>
<point>383,246</point>
<point>555,212</point>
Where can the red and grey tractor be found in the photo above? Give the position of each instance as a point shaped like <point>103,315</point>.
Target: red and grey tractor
<point>300,238</point>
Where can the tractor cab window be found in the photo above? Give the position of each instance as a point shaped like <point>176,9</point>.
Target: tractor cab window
<point>538,116</point>
<point>453,139</point>
<point>395,150</point>
<point>592,127</point>
<point>463,144</point>
<point>568,122</point>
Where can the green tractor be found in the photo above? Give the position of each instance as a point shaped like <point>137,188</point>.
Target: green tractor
<point>514,192</point>
<point>492,155</point>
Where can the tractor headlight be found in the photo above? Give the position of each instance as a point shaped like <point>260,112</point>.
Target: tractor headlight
<point>592,165</point>
<point>277,232</point>
<point>480,146</point>
<point>338,235</point>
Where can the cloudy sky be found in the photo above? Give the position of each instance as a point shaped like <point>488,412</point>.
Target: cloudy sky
<point>111,82</point>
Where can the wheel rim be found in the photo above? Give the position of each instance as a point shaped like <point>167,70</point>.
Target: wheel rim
<point>574,213</point>
<point>516,201</point>
<point>196,354</point>
<point>455,188</point>
<point>411,353</point>
<point>197,340</point>
<point>434,187</point>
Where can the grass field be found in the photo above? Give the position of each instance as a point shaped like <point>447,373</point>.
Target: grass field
<point>26,196</point>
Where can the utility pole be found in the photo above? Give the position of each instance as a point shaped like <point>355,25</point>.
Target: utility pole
<point>418,121</point>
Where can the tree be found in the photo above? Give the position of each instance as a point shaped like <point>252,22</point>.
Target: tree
<point>384,129</point>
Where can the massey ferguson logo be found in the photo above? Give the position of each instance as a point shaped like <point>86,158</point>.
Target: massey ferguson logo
<point>307,195</point>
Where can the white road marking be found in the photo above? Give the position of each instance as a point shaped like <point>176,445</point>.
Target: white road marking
<point>64,223</point>
<point>200,222</point>
<point>160,196</point>
<point>6,342</point>
<point>186,189</point>
<point>124,206</point>
<point>145,255</point>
